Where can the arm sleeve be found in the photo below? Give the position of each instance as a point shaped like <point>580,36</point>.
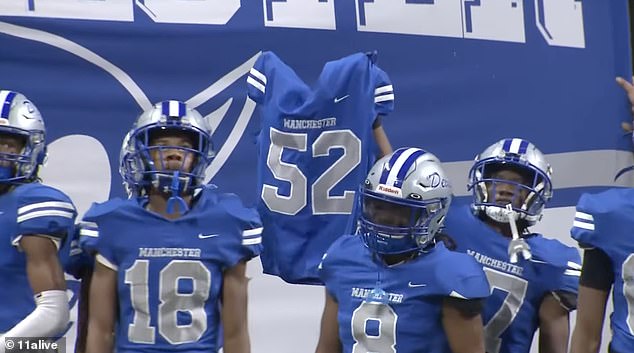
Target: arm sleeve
<point>257,79</point>
<point>597,271</point>
<point>467,307</point>
<point>383,93</point>
<point>44,211</point>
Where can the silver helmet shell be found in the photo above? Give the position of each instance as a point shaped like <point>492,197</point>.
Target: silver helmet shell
<point>409,181</point>
<point>139,171</point>
<point>528,198</point>
<point>20,117</point>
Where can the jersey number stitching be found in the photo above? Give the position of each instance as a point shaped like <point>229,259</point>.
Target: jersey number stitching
<point>322,201</point>
<point>171,301</point>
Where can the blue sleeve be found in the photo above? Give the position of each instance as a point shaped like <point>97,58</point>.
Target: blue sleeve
<point>248,229</point>
<point>257,80</point>
<point>44,210</point>
<point>383,93</point>
<point>468,280</point>
<point>325,270</point>
<point>251,234</point>
<point>93,240</point>
<point>584,229</point>
<point>572,272</point>
<point>77,261</point>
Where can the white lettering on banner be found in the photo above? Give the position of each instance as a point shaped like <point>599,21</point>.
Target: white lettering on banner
<point>104,10</point>
<point>501,20</point>
<point>559,21</point>
<point>315,14</point>
<point>208,12</point>
<point>420,17</point>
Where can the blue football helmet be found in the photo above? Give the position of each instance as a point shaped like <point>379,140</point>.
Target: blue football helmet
<point>20,117</point>
<point>138,169</point>
<point>528,199</point>
<point>404,200</point>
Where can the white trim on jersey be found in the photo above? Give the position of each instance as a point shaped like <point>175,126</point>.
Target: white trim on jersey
<point>574,265</point>
<point>48,204</point>
<point>102,260</point>
<point>45,213</point>
<point>252,232</point>
<point>579,224</point>
<point>89,232</point>
<point>584,216</point>
<point>575,273</point>
<point>256,84</point>
<point>456,295</point>
<point>56,241</point>
<point>252,241</point>
<point>260,76</point>
<point>383,89</point>
<point>387,97</point>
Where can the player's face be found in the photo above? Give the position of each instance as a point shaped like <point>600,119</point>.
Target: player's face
<point>175,158</point>
<point>503,192</point>
<point>10,143</point>
<point>386,213</point>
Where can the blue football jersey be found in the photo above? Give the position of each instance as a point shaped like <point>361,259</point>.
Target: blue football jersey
<point>27,210</point>
<point>511,313</point>
<point>74,259</point>
<point>406,316</point>
<point>315,147</point>
<point>170,272</point>
<point>606,221</point>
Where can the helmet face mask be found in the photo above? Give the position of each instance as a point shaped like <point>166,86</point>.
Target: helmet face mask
<point>168,149</point>
<point>403,212</point>
<point>22,138</point>
<point>518,176</point>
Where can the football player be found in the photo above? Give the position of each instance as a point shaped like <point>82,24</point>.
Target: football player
<point>170,261</point>
<point>393,287</point>
<point>34,221</point>
<point>602,226</point>
<point>533,278</point>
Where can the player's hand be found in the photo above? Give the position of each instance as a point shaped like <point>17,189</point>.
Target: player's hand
<point>519,247</point>
<point>629,90</point>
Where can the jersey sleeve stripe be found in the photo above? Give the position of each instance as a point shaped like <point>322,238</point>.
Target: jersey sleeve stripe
<point>579,224</point>
<point>256,84</point>
<point>574,265</point>
<point>252,241</point>
<point>387,97</point>
<point>575,273</point>
<point>383,89</point>
<point>257,74</point>
<point>102,260</point>
<point>89,233</point>
<point>48,204</point>
<point>252,232</point>
<point>45,213</point>
<point>584,216</point>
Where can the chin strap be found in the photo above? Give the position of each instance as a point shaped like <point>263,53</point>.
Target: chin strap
<point>175,198</point>
<point>517,246</point>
